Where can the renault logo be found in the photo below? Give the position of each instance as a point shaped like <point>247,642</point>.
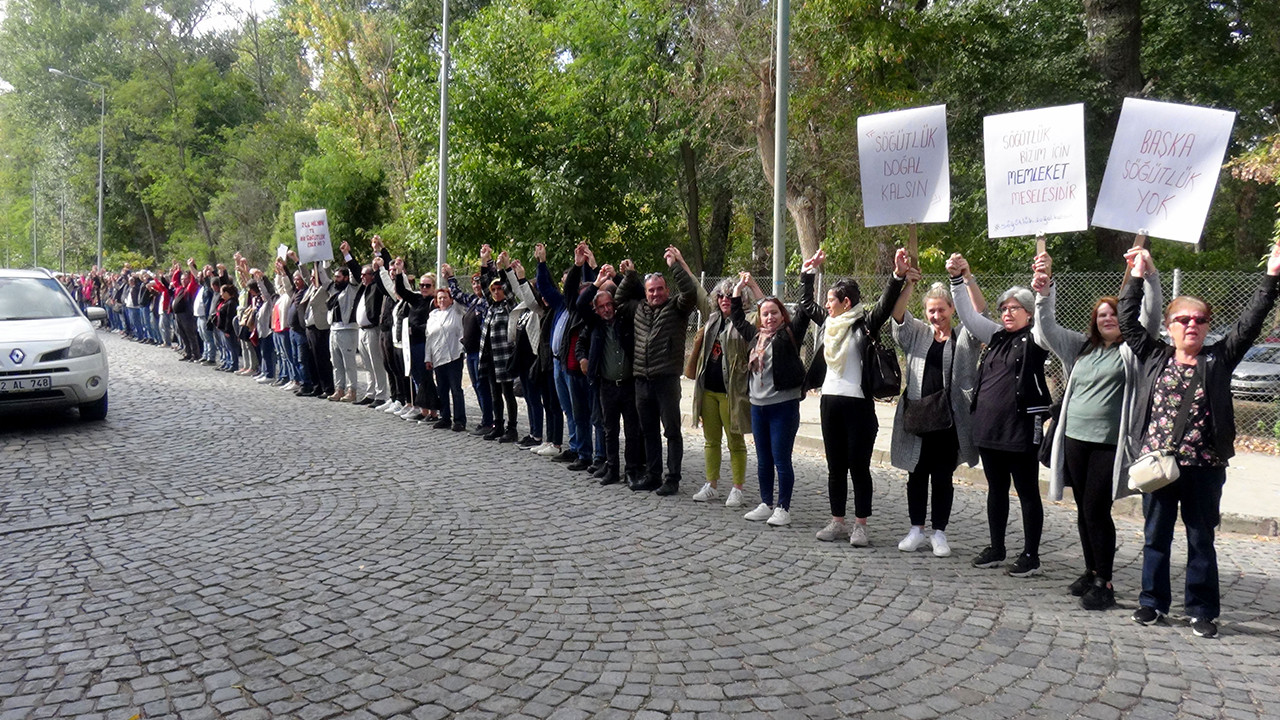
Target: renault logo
<point>17,356</point>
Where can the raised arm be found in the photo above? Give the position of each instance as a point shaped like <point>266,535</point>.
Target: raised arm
<point>1142,343</point>
<point>1245,331</point>
<point>736,315</point>
<point>981,326</point>
<point>686,295</point>
<point>881,311</point>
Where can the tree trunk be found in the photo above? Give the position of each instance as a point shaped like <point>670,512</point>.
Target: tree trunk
<point>718,234</point>
<point>692,206</point>
<point>761,245</point>
<point>806,202</point>
<point>1248,247</point>
<point>1114,37</point>
<point>151,233</point>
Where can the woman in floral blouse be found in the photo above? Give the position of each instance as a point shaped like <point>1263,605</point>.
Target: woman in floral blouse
<point>1169,372</point>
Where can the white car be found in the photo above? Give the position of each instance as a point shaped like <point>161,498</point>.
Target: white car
<point>50,354</point>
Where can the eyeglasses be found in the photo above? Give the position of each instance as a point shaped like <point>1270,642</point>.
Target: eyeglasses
<point>1190,319</point>
<point>1011,308</point>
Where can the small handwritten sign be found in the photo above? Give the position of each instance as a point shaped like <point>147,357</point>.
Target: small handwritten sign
<point>1163,169</point>
<point>1035,164</point>
<point>905,175</point>
<point>312,230</point>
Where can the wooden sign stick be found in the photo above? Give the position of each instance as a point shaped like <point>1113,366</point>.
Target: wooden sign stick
<point>913,246</point>
<point>1040,244</point>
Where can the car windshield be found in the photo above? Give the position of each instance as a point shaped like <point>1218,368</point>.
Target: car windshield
<point>34,299</point>
<point>1263,354</point>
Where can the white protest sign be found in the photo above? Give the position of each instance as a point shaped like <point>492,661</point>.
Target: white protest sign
<point>282,251</point>
<point>1163,169</point>
<point>903,159</point>
<point>312,230</point>
<point>1035,168</point>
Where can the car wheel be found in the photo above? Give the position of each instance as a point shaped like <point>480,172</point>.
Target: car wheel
<point>94,411</point>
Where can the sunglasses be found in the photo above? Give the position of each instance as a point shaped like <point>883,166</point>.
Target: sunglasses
<point>652,275</point>
<point>1190,319</point>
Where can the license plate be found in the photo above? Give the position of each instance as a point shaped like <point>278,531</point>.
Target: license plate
<point>25,384</point>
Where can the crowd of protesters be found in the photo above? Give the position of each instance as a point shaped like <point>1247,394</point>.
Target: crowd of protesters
<point>596,354</point>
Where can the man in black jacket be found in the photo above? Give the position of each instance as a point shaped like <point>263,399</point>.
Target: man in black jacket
<point>659,321</point>
<point>610,347</point>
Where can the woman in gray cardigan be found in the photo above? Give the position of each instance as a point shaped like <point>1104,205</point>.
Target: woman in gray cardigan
<point>1101,372</point>
<point>939,359</point>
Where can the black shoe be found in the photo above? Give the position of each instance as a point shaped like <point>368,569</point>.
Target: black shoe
<point>610,478</point>
<point>599,472</point>
<point>305,391</point>
<point>1025,566</point>
<point>482,430</point>
<point>494,434</point>
<point>529,441</point>
<point>509,436</point>
<point>989,558</point>
<point>441,424</point>
<point>567,456</point>
<point>1147,615</point>
<point>1098,596</point>
<point>1204,628</point>
<point>648,485</point>
<point>363,401</point>
<point>578,464</point>
<point>459,427</point>
<point>668,488</point>
<point>1082,584</point>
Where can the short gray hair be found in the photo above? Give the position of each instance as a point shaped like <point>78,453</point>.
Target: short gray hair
<point>1020,295</point>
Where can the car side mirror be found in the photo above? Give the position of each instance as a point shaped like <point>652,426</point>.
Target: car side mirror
<point>95,313</point>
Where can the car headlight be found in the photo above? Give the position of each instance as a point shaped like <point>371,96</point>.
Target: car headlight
<point>84,345</point>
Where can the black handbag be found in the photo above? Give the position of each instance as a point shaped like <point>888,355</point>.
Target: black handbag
<point>881,375</point>
<point>931,412</point>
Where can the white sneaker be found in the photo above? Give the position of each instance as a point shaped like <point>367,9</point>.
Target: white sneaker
<point>735,498</point>
<point>407,410</point>
<point>835,530</point>
<point>940,546</point>
<point>291,386</point>
<point>537,449</point>
<point>858,534</point>
<point>394,407</point>
<point>913,541</point>
<point>382,406</point>
<point>706,493</point>
<point>550,450</point>
<point>263,379</point>
<point>779,517</point>
<point>762,512</point>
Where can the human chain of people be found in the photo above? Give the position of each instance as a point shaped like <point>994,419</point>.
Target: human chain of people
<point>596,351</point>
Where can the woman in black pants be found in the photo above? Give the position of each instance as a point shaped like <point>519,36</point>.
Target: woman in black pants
<point>847,409</point>
<point>1009,396</point>
<point>1097,406</point>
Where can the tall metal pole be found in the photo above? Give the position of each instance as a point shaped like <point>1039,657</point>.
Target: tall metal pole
<point>782,82</point>
<point>442,239</point>
<point>62,219</point>
<point>102,138</point>
<point>102,143</point>
<point>35,249</point>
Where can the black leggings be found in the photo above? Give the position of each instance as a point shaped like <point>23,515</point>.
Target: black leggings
<point>1024,469</point>
<point>849,429</point>
<point>938,451</point>
<point>1088,469</point>
<point>503,393</point>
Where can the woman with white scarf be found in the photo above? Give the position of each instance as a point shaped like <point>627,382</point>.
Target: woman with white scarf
<point>775,376</point>
<point>849,424</point>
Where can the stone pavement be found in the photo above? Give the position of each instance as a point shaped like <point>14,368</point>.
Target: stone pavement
<point>217,549</point>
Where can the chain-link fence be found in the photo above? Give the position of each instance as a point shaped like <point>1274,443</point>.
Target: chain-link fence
<point>1257,396</point>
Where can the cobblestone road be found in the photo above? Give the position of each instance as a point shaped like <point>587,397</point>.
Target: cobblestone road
<point>220,549</point>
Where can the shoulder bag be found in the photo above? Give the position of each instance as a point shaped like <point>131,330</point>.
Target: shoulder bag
<point>931,412</point>
<point>1156,469</point>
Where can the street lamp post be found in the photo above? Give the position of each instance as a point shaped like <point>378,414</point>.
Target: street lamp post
<point>102,136</point>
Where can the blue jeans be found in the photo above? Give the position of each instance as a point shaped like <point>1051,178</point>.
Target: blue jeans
<point>579,391</point>
<point>484,397</point>
<point>230,351</point>
<point>266,346</point>
<point>449,388</point>
<point>563,392</point>
<point>774,428</point>
<point>532,400</point>
<point>1199,491</point>
<point>596,415</point>
<point>300,356</point>
<point>284,359</point>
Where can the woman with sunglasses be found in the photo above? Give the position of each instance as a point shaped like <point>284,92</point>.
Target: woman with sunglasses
<point>1101,372</point>
<point>775,380</point>
<point>721,401</point>
<point>1187,368</point>
<point>420,304</point>
<point>1010,395</point>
